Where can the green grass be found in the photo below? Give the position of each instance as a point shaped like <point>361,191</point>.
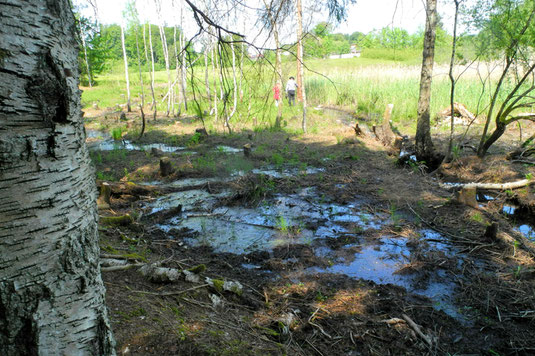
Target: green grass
<point>364,85</point>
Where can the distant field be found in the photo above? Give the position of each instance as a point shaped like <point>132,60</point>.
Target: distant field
<point>364,85</point>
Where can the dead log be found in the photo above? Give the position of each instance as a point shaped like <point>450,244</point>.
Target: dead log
<point>459,111</point>
<point>122,220</point>
<point>490,186</point>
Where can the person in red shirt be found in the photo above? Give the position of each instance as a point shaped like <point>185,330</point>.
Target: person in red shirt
<point>277,94</point>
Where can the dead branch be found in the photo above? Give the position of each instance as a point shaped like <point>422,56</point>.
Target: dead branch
<point>490,186</point>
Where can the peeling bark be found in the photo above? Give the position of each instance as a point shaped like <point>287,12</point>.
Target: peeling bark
<point>51,291</point>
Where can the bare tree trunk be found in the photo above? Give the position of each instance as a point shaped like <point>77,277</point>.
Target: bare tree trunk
<point>183,67</point>
<point>206,80</point>
<point>139,67</point>
<point>166,57</point>
<point>214,68</point>
<point>129,109</point>
<point>241,64</point>
<point>299,74</point>
<point>154,103</point>
<point>85,55</point>
<point>424,144</point>
<point>301,93</point>
<point>452,80</point>
<point>235,83</point>
<point>51,292</point>
<point>177,64</point>
<point>278,68</point>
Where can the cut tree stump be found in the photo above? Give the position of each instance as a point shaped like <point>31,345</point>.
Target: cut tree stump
<point>467,196</point>
<point>166,167</point>
<point>247,148</point>
<point>103,201</point>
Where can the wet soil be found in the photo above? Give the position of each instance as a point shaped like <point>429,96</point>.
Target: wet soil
<point>337,249</point>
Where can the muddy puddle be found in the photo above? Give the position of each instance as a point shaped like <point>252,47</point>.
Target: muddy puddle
<point>102,141</point>
<point>519,216</point>
<point>308,218</point>
<point>385,261</point>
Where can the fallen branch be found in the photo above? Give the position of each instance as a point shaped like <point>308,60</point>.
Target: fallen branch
<point>121,268</point>
<point>417,329</point>
<point>489,186</point>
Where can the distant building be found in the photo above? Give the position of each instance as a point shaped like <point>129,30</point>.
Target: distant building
<point>353,53</point>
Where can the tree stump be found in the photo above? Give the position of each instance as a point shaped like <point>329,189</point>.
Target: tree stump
<point>166,167</point>
<point>123,116</point>
<point>247,150</point>
<point>202,132</point>
<point>103,201</point>
<point>467,196</point>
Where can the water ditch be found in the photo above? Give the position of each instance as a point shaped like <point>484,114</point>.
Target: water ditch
<point>521,218</point>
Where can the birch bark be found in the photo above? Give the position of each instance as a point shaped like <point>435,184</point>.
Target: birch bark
<point>51,291</point>
<point>128,107</point>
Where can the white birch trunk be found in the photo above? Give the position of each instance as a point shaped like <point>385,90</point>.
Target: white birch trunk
<point>177,66</point>
<point>85,55</point>
<point>166,57</point>
<point>139,67</point>
<point>129,109</point>
<point>184,74</point>
<point>233,111</point>
<point>154,103</point>
<point>214,68</point>
<point>206,77</point>
<point>51,291</point>
<point>301,92</point>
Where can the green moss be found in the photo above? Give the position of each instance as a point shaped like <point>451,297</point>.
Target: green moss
<point>218,284</point>
<point>198,269</point>
<point>122,220</point>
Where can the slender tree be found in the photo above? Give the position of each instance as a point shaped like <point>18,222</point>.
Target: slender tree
<point>167,68</point>
<point>301,93</point>
<point>154,103</point>
<point>452,79</point>
<point>51,291</point>
<point>86,59</point>
<point>424,145</point>
<point>129,108</point>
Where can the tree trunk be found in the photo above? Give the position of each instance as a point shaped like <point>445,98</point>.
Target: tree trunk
<point>206,80</point>
<point>166,57</point>
<point>154,104</point>
<point>183,67</point>
<point>278,68</point>
<point>424,144</point>
<point>139,67</point>
<point>85,55</point>
<point>235,83</point>
<point>452,80</point>
<point>177,65</point>
<point>299,74</point>
<point>214,68</point>
<point>129,109</point>
<point>51,291</point>
<point>301,93</point>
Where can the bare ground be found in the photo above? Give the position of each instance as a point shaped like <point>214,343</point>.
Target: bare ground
<point>295,300</point>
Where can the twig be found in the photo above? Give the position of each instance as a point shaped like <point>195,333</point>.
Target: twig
<point>314,347</point>
<point>417,329</point>
<point>167,294</point>
<point>316,325</point>
<point>120,268</point>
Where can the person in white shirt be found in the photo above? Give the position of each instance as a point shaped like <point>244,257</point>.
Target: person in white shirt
<point>291,87</point>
